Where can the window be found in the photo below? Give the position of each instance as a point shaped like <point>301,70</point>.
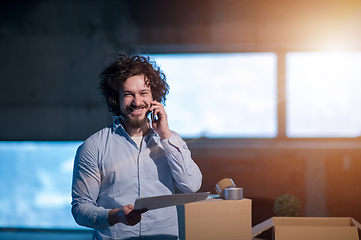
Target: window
<point>221,95</point>
<point>35,180</point>
<point>323,94</point>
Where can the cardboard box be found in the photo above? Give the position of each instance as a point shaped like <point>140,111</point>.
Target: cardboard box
<point>215,219</point>
<point>297,228</point>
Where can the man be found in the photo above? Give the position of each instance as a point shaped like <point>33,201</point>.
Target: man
<point>133,158</point>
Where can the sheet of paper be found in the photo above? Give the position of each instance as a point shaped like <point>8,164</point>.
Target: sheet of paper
<point>169,200</point>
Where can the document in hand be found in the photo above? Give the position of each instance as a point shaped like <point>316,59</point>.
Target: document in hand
<point>169,200</point>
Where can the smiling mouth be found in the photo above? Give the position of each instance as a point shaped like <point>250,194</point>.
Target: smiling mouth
<point>136,110</point>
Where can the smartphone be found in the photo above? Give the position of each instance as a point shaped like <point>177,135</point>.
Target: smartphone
<point>154,116</point>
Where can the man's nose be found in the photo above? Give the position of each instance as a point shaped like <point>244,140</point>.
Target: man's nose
<point>137,100</point>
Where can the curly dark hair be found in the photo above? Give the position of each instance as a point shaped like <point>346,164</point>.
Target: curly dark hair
<point>124,67</point>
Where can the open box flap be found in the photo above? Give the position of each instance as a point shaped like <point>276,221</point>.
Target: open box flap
<point>356,223</point>
<point>263,226</point>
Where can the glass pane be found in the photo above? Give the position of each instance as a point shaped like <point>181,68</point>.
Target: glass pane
<point>35,180</point>
<point>323,94</point>
<point>221,94</point>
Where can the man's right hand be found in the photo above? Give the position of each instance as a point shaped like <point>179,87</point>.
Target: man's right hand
<point>126,215</point>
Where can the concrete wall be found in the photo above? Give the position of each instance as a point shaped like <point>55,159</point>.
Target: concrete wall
<point>51,55</point>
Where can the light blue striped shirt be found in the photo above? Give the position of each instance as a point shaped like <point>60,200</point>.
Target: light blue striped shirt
<point>110,171</point>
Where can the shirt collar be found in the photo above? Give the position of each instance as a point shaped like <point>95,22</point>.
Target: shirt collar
<point>117,124</point>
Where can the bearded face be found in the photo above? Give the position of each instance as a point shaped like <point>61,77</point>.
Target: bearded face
<point>134,99</point>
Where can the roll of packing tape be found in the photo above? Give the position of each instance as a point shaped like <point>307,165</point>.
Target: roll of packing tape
<point>223,184</point>
<point>233,193</point>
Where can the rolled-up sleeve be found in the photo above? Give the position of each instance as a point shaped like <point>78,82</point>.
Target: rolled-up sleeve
<point>185,171</point>
<point>85,189</point>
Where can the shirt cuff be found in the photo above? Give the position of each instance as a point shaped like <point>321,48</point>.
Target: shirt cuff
<point>102,219</point>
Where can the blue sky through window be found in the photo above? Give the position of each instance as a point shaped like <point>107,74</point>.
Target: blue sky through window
<point>323,94</point>
<point>221,94</point>
<point>35,179</point>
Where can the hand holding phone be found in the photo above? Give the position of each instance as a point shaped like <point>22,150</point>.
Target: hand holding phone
<point>159,120</point>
